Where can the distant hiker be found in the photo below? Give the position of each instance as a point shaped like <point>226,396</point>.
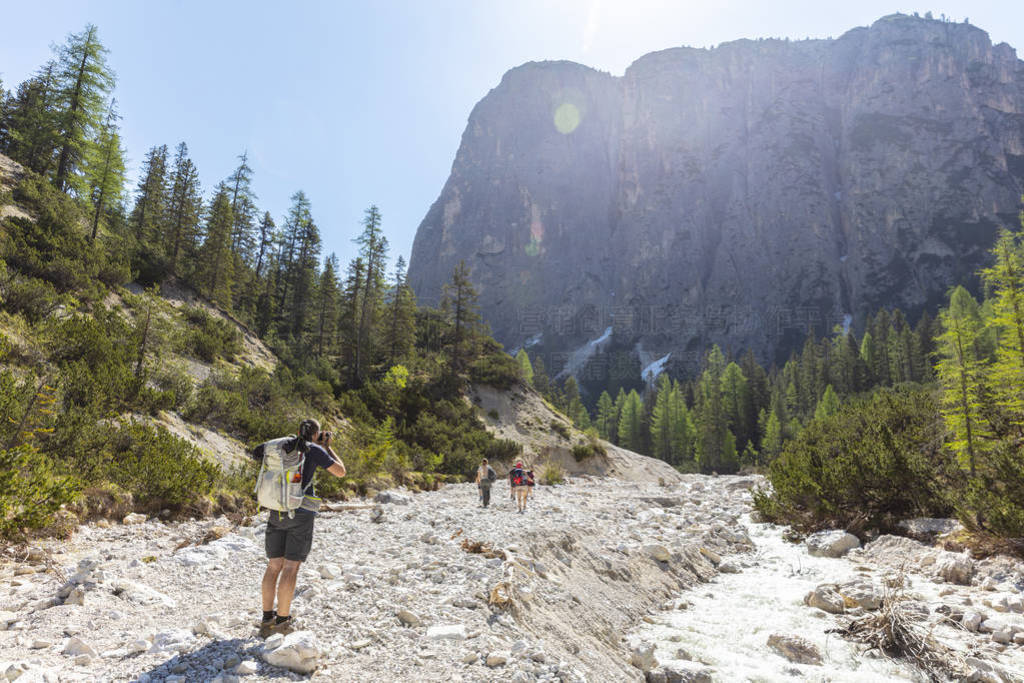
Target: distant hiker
<point>530,482</point>
<point>285,487</point>
<point>520,488</point>
<point>485,476</point>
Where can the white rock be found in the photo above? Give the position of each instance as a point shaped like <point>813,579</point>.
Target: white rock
<point>134,518</point>
<point>177,640</point>
<point>76,646</point>
<point>825,598</point>
<point>956,569</point>
<point>447,632</point>
<point>247,667</point>
<point>861,593</point>
<point>972,620</point>
<point>139,645</point>
<point>82,660</point>
<point>835,543</point>
<point>41,643</point>
<point>330,571</point>
<point>496,659</point>
<point>470,658</point>
<point>298,651</point>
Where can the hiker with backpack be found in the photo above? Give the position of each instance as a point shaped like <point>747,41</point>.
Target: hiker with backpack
<point>285,487</point>
<point>485,476</point>
<point>518,482</point>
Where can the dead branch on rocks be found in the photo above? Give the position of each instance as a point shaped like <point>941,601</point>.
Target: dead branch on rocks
<point>902,633</point>
<point>482,548</point>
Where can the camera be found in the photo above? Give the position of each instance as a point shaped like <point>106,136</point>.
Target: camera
<point>323,437</point>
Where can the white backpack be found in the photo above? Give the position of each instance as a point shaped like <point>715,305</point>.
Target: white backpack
<point>279,484</point>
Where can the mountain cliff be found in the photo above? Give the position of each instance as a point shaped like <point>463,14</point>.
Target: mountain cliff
<point>738,195</point>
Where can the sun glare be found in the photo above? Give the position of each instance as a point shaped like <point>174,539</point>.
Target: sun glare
<point>567,117</point>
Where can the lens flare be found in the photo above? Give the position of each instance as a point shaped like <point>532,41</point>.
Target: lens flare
<point>567,117</point>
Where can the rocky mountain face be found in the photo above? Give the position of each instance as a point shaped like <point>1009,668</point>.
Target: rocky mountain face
<point>737,195</point>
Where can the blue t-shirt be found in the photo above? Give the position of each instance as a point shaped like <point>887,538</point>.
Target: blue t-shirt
<point>316,457</point>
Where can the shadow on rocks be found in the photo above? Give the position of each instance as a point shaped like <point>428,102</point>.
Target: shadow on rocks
<point>220,660</point>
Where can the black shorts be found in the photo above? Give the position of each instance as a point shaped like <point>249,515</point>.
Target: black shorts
<point>289,537</point>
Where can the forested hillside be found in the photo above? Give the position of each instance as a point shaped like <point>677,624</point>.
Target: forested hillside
<point>101,357</point>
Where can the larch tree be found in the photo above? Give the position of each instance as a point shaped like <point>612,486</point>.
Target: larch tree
<point>631,421</point>
<point>828,405</point>
<point>104,168</point>
<point>83,81</point>
<point>961,372</point>
<point>1006,280</point>
<point>268,237</point>
<point>607,422</point>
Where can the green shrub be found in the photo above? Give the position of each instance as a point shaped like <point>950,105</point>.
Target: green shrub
<point>497,369</point>
<point>582,451</point>
<point>551,473</point>
<point>560,428</point>
<point>30,297</point>
<point>210,338</point>
<point>493,414</point>
<point>31,490</point>
<point>158,468</point>
<point>878,460</point>
<point>994,501</point>
<point>175,382</point>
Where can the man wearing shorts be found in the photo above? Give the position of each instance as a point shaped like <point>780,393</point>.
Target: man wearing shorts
<point>289,537</point>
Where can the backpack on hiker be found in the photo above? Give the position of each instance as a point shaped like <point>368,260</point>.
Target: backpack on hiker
<point>491,474</point>
<point>279,483</point>
<point>518,477</point>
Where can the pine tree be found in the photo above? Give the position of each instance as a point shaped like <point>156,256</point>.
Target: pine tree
<point>268,238</point>
<point>620,403</point>
<point>460,304</point>
<point>828,405</point>
<point>607,423</point>
<point>373,248</point>
<point>400,333</point>
<point>243,209</point>
<point>961,373</point>
<point>328,302</point>
<point>631,422</point>
<point>713,453</point>
<point>574,407</point>
<point>735,397</point>
<point>32,121</point>
<point>662,421</point>
<point>181,230</point>
<point>868,351</point>
<point>151,195</point>
<point>541,381</point>
<point>771,442</point>
<point>215,267</point>
<point>525,367</point>
<point>84,81</point>
<point>348,325</point>
<point>104,169</point>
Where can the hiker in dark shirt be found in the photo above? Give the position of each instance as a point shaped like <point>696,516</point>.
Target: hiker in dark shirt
<point>289,536</point>
<point>520,488</point>
<point>485,476</point>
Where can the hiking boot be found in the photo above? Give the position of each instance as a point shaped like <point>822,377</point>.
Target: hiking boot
<point>267,627</point>
<point>284,628</point>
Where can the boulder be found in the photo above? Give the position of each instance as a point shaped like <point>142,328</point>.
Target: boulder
<point>392,497</point>
<point>795,649</point>
<point>299,652</point>
<point>681,671</point>
<point>642,656</point>
<point>658,552</point>
<point>927,529</point>
<point>835,543</point>
<point>134,518</point>
<point>955,569</point>
<point>825,597</point>
<point>861,593</point>
<point>972,620</point>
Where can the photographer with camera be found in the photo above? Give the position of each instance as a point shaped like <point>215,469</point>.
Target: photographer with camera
<point>289,467</point>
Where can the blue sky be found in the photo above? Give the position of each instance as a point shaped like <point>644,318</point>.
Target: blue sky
<point>363,103</point>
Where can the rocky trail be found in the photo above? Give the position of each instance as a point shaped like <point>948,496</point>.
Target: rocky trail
<point>600,580</point>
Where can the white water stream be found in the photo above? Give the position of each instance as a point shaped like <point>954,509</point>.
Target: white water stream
<point>729,620</point>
